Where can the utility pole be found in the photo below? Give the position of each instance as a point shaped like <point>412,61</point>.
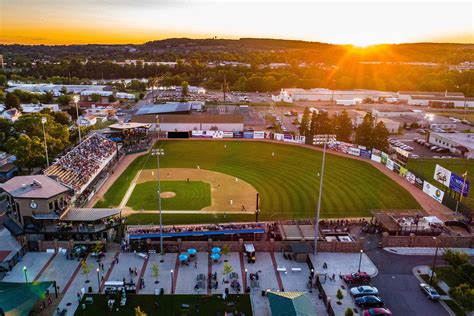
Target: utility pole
<point>316,224</point>
<point>43,121</point>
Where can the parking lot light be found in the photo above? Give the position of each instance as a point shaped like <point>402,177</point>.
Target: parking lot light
<point>25,271</point>
<point>434,260</point>
<point>360,259</point>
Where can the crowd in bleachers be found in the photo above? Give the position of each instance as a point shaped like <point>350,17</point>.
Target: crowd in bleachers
<point>193,228</point>
<point>77,166</point>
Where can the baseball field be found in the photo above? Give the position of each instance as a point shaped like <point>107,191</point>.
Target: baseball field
<point>286,178</point>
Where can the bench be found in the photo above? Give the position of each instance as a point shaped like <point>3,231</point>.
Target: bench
<point>295,269</point>
<point>142,255</point>
<point>281,269</point>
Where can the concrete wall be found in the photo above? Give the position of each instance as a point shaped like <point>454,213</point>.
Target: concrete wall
<point>426,241</point>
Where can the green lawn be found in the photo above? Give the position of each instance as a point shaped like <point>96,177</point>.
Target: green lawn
<point>287,181</point>
<point>168,305</point>
<point>426,168</point>
<point>192,195</point>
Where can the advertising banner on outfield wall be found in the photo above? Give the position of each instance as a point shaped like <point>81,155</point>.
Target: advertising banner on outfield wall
<point>419,183</point>
<point>353,151</point>
<point>403,172</point>
<point>389,164</point>
<point>410,177</point>
<point>208,134</point>
<point>248,135</point>
<point>364,153</point>
<point>259,134</point>
<point>218,134</point>
<point>300,139</point>
<point>196,134</point>
<point>433,191</point>
<point>238,134</point>
<point>442,175</point>
<point>456,184</point>
<point>278,136</point>
<point>228,134</point>
<point>376,158</point>
<point>396,168</point>
<point>384,157</point>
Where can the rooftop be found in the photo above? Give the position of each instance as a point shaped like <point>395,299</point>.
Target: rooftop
<point>33,187</point>
<point>125,126</point>
<point>442,98</point>
<point>463,139</point>
<point>432,93</point>
<point>89,214</point>
<point>164,108</point>
<point>204,118</point>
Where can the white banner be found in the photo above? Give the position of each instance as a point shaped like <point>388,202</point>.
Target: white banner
<point>410,177</point>
<point>259,134</point>
<point>376,158</point>
<point>218,134</point>
<point>278,136</point>
<point>442,175</point>
<point>196,133</point>
<point>353,151</point>
<point>390,164</point>
<point>433,191</point>
<point>228,135</point>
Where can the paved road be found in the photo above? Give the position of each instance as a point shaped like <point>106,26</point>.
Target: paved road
<point>399,287</point>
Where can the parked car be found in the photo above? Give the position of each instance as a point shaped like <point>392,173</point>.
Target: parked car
<point>430,292</point>
<point>377,311</point>
<point>369,301</point>
<point>364,290</point>
<point>357,277</point>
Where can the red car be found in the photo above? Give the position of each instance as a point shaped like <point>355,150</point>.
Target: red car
<point>377,311</point>
<point>357,277</point>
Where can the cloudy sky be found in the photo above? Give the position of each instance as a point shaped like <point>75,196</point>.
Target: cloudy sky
<point>138,21</point>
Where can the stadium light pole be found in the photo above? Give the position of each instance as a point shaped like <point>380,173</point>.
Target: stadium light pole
<point>43,121</point>
<point>98,279</point>
<point>76,99</point>
<point>159,152</point>
<point>316,224</point>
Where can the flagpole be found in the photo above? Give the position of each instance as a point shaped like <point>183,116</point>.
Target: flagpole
<point>462,192</point>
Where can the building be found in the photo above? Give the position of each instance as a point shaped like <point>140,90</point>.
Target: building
<point>89,98</point>
<point>165,108</point>
<point>187,123</point>
<point>320,94</point>
<point>441,101</point>
<point>87,120</point>
<point>458,143</point>
<point>54,88</point>
<point>392,126</point>
<point>291,304</point>
<point>406,95</point>
<point>381,112</point>
<point>7,167</point>
<point>192,89</point>
<point>12,115</point>
<point>35,108</point>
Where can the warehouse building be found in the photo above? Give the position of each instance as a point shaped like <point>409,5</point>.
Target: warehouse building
<point>55,88</point>
<point>320,94</point>
<point>458,143</point>
<point>406,95</point>
<point>187,123</point>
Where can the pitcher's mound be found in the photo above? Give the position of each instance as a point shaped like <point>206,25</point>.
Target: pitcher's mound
<point>167,195</point>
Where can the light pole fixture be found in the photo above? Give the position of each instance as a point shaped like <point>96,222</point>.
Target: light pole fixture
<point>172,281</point>
<point>159,152</point>
<point>43,121</point>
<point>360,259</point>
<point>434,260</point>
<point>76,100</point>
<point>98,280</point>
<point>25,271</point>
<point>316,224</point>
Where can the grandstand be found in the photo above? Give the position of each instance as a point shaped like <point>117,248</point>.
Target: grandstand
<point>79,167</point>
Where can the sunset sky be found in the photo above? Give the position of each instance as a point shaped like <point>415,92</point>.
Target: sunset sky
<point>138,21</point>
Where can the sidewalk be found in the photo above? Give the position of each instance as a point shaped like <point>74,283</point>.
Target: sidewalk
<point>424,251</point>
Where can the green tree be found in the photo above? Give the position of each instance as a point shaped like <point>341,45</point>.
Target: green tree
<point>5,132</point>
<point>3,80</point>
<point>112,98</point>
<point>12,101</point>
<point>47,98</point>
<point>2,97</point>
<point>155,272</point>
<point>464,295</point>
<point>86,269</point>
<point>364,131</point>
<point>339,294</point>
<point>63,90</point>
<point>455,258</point>
<point>64,100</point>
<point>184,90</point>
<point>61,117</point>
<point>380,136</point>
<point>305,122</point>
<point>225,250</point>
<point>29,152</point>
<point>309,136</point>
<point>343,127</point>
<point>227,269</point>
<point>349,312</point>
<point>95,97</point>
<point>323,124</point>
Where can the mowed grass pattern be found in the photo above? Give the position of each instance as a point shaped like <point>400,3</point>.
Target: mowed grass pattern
<point>192,195</point>
<point>288,180</point>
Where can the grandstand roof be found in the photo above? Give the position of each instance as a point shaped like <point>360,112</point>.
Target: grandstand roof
<point>170,107</point>
<point>122,126</point>
<point>38,187</point>
<point>202,118</point>
<point>89,214</point>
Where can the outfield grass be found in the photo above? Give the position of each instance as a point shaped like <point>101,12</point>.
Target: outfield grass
<point>168,305</point>
<point>426,168</point>
<point>287,181</point>
<point>192,195</point>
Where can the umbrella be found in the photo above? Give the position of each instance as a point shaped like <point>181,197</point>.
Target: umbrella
<point>192,251</point>
<point>183,257</point>
<point>216,250</point>
<point>215,256</point>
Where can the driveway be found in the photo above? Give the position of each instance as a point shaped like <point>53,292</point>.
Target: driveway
<point>399,287</point>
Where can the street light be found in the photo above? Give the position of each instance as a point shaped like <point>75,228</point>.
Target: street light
<point>159,152</point>
<point>360,259</point>
<point>245,280</point>
<point>434,260</point>
<point>172,285</point>
<point>316,225</point>
<point>26,274</point>
<point>76,99</point>
<point>98,280</point>
<point>43,121</point>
